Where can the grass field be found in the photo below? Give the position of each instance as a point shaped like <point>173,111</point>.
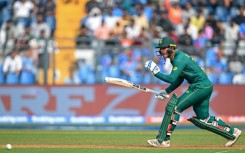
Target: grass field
<point>63,141</point>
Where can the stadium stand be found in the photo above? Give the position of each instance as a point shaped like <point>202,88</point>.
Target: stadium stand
<point>115,37</point>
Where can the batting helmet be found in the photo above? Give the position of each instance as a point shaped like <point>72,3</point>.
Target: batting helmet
<point>166,42</point>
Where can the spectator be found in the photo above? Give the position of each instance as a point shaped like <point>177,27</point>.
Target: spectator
<point>72,78</point>
<point>198,20</point>
<point>94,20</point>
<point>83,36</point>
<point>110,20</point>
<point>165,23</point>
<point>188,12</point>
<point>147,11</point>
<point>85,72</point>
<point>211,56</point>
<point>185,39</point>
<point>7,36</point>
<point>102,32</point>
<point>222,12</point>
<point>157,33</point>
<point>232,31</point>
<point>50,10</point>
<point>22,13</point>
<point>39,7</point>
<point>129,67</point>
<point>216,40</point>
<point>38,45</point>
<point>41,25</point>
<point>3,5</point>
<point>211,20</point>
<point>220,63</point>
<point>90,5</point>
<point>113,70</point>
<point>208,31</point>
<point>203,9</point>
<point>174,12</point>
<point>154,21</point>
<point>240,18</point>
<point>144,35</point>
<point>125,41</point>
<point>132,30</point>
<point>122,57</point>
<point>166,19</point>
<point>106,4</point>
<point>141,21</point>
<point>22,40</point>
<point>219,33</point>
<point>213,4</point>
<point>173,35</point>
<point>191,29</point>
<point>105,59</point>
<point>125,19</point>
<point>12,67</point>
<point>28,71</point>
<point>117,31</point>
<point>134,11</point>
<point>117,10</point>
<point>106,63</point>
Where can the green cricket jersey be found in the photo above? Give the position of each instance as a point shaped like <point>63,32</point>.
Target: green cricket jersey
<point>184,67</point>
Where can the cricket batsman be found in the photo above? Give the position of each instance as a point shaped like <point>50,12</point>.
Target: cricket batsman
<point>197,95</point>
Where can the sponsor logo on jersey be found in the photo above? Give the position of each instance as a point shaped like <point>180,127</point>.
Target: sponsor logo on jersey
<point>175,68</point>
<point>160,41</point>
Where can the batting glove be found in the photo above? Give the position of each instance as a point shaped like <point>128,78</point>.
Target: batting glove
<point>162,94</point>
<point>159,97</point>
<point>152,67</point>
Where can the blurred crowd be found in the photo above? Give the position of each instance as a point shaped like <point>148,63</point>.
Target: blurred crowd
<point>25,25</point>
<point>212,31</point>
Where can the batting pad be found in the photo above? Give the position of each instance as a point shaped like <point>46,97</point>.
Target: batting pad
<point>169,110</point>
<point>211,128</point>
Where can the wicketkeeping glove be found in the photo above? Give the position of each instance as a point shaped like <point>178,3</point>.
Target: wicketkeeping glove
<point>152,67</point>
<point>162,94</point>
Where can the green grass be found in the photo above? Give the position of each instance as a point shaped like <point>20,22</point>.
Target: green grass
<point>182,141</point>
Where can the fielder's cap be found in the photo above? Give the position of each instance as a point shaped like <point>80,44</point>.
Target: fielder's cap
<point>166,42</point>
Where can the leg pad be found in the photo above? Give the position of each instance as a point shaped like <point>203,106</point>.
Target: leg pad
<point>211,127</point>
<point>169,110</point>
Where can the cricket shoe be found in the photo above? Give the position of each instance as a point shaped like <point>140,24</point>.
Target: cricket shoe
<point>236,133</point>
<point>155,143</point>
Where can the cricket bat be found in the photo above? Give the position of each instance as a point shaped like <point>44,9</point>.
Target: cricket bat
<point>125,83</point>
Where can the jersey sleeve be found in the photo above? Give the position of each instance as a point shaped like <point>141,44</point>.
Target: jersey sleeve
<point>175,85</point>
<point>178,66</point>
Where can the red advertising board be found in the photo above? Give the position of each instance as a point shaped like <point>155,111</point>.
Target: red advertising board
<point>107,100</point>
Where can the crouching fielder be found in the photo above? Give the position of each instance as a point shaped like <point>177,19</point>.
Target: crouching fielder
<point>197,96</point>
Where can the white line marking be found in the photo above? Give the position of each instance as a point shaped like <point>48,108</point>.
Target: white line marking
<point>224,151</point>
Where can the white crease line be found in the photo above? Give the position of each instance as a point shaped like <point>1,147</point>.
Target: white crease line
<point>224,151</point>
